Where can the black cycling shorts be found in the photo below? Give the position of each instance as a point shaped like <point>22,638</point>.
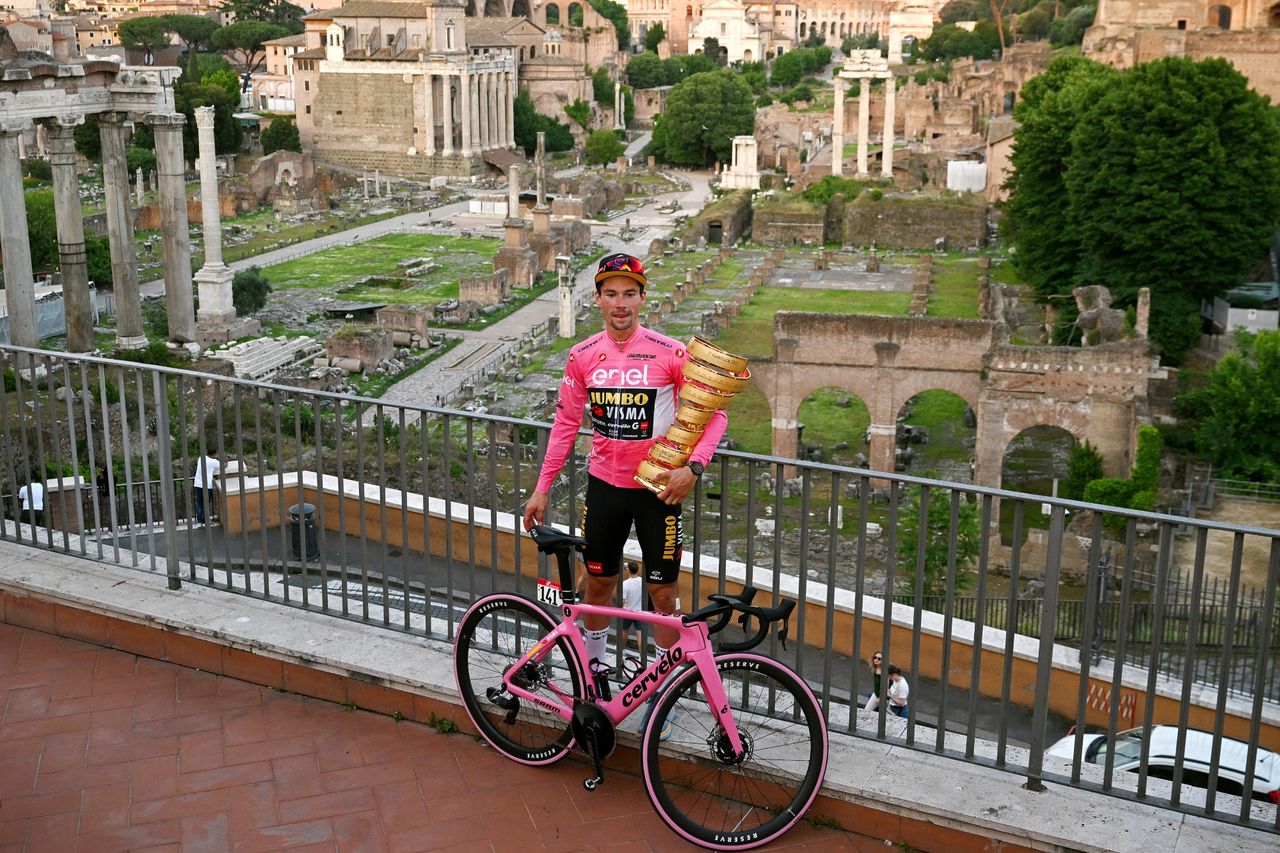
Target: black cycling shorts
<point>607,516</point>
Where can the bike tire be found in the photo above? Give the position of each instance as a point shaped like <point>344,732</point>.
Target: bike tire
<point>493,634</point>
<point>714,801</point>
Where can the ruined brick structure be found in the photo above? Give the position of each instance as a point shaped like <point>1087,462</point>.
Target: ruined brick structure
<point>1096,394</point>
<point>1244,32</point>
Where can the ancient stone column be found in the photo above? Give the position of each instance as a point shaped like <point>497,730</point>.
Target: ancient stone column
<point>504,111</point>
<point>15,242</point>
<point>430,110</point>
<point>214,278</point>
<point>124,254</point>
<point>619,107</point>
<point>890,98</point>
<point>179,301</point>
<point>540,159</point>
<point>837,129</point>
<point>510,109</point>
<point>864,123</point>
<point>495,112</point>
<point>513,192</point>
<point>480,103</point>
<point>142,187</point>
<point>447,91</point>
<point>465,115</point>
<point>77,306</point>
<point>565,276</point>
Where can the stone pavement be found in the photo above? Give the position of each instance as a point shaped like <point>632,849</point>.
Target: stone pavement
<point>101,750</point>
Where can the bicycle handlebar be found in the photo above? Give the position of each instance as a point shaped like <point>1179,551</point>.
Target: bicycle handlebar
<point>722,607</point>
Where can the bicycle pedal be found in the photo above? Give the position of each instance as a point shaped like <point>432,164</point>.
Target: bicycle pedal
<point>592,783</point>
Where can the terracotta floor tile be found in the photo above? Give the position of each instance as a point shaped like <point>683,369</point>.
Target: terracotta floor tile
<point>296,776</point>
<point>63,751</point>
<point>252,806</point>
<point>360,832</point>
<point>200,750</point>
<point>40,805</point>
<point>71,683</point>
<point>52,832</point>
<point>206,833</point>
<point>130,837</point>
<point>368,776</point>
<point>270,750</point>
<point>401,804</point>
<point>243,726</point>
<point>18,776</point>
<point>154,778</point>
<point>438,836</point>
<point>326,805</point>
<point>225,777</point>
<point>132,750</point>
<point>13,832</point>
<point>76,779</point>
<point>104,807</point>
<point>27,703</point>
<point>272,838</point>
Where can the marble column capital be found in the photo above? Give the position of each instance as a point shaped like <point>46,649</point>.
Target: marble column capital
<point>204,117</point>
<point>117,119</point>
<point>14,126</point>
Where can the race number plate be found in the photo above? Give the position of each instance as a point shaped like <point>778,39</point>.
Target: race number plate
<point>549,592</point>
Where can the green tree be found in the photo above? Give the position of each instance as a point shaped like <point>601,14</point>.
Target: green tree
<point>195,32</point>
<point>1083,467</point>
<point>278,12</point>
<point>644,71</point>
<point>617,15</point>
<point>1139,491</point>
<point>225,79</point>
<point>580,112</point>
<point>249,291</point>
<point>147,33</point>
<point>788,68</point>
<point>226,130</point>
<point>603,146</point>
<point>42,228</point>
<point>244,39</point>
<point>602,86</point>
<point>939,536</point>
<point>528,121</point>
<point>704,113</point>
<point>1034,24</point>
<point>88,142</point>
<point>97,254</point>
<point>1069,29</point>
<point>654,36</point>
<point>281,135</point>
<point>1237,408</point>
<point>863,41</point>
<point>1173,183</point>
<point>713,50</point>
<point>1051,106</point>
<point>680,67</point>
<point>960,10</point>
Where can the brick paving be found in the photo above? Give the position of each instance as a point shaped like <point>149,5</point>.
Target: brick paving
<point>101,750</point>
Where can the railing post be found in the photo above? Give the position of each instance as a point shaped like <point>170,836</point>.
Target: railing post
<point>168,482</point>
<point>1044,661</point>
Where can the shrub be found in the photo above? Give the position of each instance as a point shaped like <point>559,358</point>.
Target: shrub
<point>281,135</point>
<point>39,169</point>
<point>249,291</point>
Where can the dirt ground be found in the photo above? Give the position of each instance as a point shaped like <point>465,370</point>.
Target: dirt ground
<point>1257,549</point>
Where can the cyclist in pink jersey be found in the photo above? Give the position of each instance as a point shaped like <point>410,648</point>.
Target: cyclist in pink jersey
<point>629,377</point>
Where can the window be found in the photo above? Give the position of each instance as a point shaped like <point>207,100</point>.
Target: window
<point>308,109</point>
<point>306,85</point>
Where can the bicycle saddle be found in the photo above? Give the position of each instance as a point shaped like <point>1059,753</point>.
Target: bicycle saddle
<point>551,541</point>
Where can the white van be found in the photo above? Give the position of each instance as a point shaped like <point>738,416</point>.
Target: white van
<point>1196,761</point>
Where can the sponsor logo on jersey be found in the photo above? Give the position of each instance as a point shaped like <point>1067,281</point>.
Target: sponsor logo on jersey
<point>633,376</point>
<point>625,414</point>
<point>594,567</point>
<point>662,342</point>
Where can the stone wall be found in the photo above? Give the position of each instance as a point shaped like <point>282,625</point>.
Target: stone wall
<point>367,344</point>
<point>486,289</point>
<point>733,212</point>
<point>914,223</point>
<point>404,318</point>
<point>788,225</point>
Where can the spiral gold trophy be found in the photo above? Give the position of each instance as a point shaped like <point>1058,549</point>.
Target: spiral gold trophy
<point>712,377</point>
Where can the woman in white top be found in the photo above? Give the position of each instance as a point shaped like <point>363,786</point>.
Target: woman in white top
<point>899,693</point>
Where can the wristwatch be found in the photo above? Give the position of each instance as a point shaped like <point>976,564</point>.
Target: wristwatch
<point>697,468</point>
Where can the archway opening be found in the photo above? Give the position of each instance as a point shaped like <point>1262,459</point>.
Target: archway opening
<point>1220,17</point>
<point>553,13</point>
<point>937,433</point>
<point>832,428</point>
<point>520,9</point>
<point>1036,461</point>
<point>575,14</point>
<point>1273,16</point>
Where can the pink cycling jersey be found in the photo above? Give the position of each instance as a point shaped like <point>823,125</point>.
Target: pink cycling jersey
<point>632,389</point>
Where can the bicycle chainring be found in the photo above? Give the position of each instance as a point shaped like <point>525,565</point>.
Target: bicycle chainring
<point>592,727</point>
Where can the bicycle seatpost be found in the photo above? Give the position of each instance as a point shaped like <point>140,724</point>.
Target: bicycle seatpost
<point>553,541</point>
<point>564,560</point>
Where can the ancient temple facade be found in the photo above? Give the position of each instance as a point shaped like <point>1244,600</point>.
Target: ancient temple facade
<point>398,86</point>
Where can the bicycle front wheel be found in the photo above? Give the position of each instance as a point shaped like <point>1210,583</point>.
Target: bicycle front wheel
<point>727,802</point>
<point>495,633</point>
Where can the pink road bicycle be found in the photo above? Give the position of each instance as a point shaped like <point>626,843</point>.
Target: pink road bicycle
<point>748,743</point>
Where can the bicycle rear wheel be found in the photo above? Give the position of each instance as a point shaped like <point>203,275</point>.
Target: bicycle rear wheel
<point>727,803</point>
<point>495,633</point>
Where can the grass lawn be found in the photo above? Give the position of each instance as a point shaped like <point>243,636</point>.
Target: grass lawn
<point>954,290</point>
<point>752,332</point>
<point>458,257</point>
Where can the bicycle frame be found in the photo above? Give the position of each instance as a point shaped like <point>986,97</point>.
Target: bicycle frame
<point>692,646</point>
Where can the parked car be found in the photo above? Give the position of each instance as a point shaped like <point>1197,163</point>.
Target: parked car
<point>1196,761</point>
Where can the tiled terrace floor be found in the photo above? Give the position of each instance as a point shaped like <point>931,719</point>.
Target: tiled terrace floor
<point>102,750</point>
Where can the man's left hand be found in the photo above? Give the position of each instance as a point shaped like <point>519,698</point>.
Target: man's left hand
<point>679,483</point>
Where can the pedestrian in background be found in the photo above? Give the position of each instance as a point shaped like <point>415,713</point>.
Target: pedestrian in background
<point>873,698</point>
<point>899,692</point>
<point>207,469</point>
<point>32,497</point>
<point>632,593</point>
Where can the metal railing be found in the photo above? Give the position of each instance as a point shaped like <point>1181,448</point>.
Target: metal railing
<point>408,514</point>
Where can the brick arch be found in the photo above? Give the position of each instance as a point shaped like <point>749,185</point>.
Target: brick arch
<point>1092,393</point>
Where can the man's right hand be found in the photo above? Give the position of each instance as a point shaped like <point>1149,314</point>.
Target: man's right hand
<point>535,510</point>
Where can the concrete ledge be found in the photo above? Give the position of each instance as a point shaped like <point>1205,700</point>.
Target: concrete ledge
<point>873,787</point>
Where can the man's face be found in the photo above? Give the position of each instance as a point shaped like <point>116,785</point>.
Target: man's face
<point>620,299</point>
